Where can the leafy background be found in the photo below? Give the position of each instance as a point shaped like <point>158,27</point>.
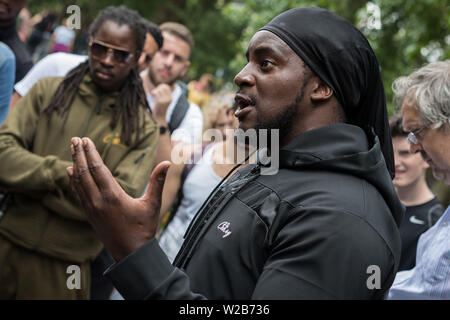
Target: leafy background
<point>405,34</point>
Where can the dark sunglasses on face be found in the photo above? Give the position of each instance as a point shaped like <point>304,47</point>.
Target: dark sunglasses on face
<point>100,50</point>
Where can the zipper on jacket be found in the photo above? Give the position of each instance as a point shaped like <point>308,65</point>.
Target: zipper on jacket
<point>139,164</point>
<point>99,104</point>
<point>142,155</point>
<point>97,110</point>
<point>200,225</point>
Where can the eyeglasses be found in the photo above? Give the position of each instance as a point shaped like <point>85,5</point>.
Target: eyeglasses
<point>100,50</point>
<point>412,136</point>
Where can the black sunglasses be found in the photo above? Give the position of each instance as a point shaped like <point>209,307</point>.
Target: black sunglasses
<point>100,50</point>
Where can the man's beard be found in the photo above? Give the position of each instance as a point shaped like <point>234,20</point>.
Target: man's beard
<point>155,82</point>
<point>284,120</point>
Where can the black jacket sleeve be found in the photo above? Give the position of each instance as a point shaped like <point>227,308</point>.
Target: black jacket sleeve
<point>148,274</point>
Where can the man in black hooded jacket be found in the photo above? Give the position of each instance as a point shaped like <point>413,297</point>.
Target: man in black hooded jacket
<point>323,227</point>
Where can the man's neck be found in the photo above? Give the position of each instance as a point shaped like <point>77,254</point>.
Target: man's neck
<point>415,194</point>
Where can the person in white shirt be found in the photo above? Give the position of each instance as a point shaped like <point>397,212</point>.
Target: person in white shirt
<point>179,120</point>
<point>63,38</point>
<point>53,65</point>
<point>424,98</point>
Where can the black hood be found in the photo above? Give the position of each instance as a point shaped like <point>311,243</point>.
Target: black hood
<point>344,148</point>
<point>341,56</point>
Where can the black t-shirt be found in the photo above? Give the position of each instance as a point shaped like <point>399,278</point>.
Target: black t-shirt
<point>417,220</point>
<point>23,58</point>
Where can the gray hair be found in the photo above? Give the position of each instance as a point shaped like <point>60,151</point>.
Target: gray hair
<point>431,86</point>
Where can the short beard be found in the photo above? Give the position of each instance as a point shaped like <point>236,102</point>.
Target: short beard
<point>284,120</point>
<point>156,83</point>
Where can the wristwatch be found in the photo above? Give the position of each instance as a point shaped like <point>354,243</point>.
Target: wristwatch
<point>163,129</point>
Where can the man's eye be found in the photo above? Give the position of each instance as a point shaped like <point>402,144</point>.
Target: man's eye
<point>266,64</point>
<point>179,59</point>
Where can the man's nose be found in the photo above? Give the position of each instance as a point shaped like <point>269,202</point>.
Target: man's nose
<point>169,60</point>
<point>108,60</point>
<point>244,77</point>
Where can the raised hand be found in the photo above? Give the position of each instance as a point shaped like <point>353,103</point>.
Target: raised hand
<point>163,97</point>
<point>121,222</point>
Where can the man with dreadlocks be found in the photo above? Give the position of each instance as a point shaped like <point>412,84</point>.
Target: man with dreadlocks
<point>43,231</point>
<point>59,64</point>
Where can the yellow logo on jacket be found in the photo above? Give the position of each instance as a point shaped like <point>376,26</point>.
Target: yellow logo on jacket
<point>116,140</point>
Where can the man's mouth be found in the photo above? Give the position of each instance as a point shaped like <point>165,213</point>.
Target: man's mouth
<point>242,105</point>
<point>103,75</point>
<point>164,73</point>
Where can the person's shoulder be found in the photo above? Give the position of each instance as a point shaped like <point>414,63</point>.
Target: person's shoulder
<point>344,227</point>
<point>195,109</point>
<point>69,60</point>
<point>48,84</point>
<point>5,51</point>
<point>60,63</point>
<point>434,211</point>
<point>307,187</point>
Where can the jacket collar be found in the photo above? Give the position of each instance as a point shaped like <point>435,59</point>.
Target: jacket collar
<point>346,149</point>
<point>330,142</point>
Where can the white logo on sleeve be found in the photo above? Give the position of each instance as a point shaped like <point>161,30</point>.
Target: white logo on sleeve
<point>223,226</point>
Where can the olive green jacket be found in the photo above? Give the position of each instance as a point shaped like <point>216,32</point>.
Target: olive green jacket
<point>44,214</point>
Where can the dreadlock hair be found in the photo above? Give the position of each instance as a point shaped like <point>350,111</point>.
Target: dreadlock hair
<point>132,94</point>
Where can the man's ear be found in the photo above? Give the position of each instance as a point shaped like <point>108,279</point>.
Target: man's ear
<point>320,90</point>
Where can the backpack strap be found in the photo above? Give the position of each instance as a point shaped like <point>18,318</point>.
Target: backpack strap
<point>181,108</point>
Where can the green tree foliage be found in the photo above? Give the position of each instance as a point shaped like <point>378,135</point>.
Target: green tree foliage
<point>405,34</point>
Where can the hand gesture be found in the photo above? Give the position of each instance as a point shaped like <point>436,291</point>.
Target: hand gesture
<point>121,222</point>
<point>163,97</point>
